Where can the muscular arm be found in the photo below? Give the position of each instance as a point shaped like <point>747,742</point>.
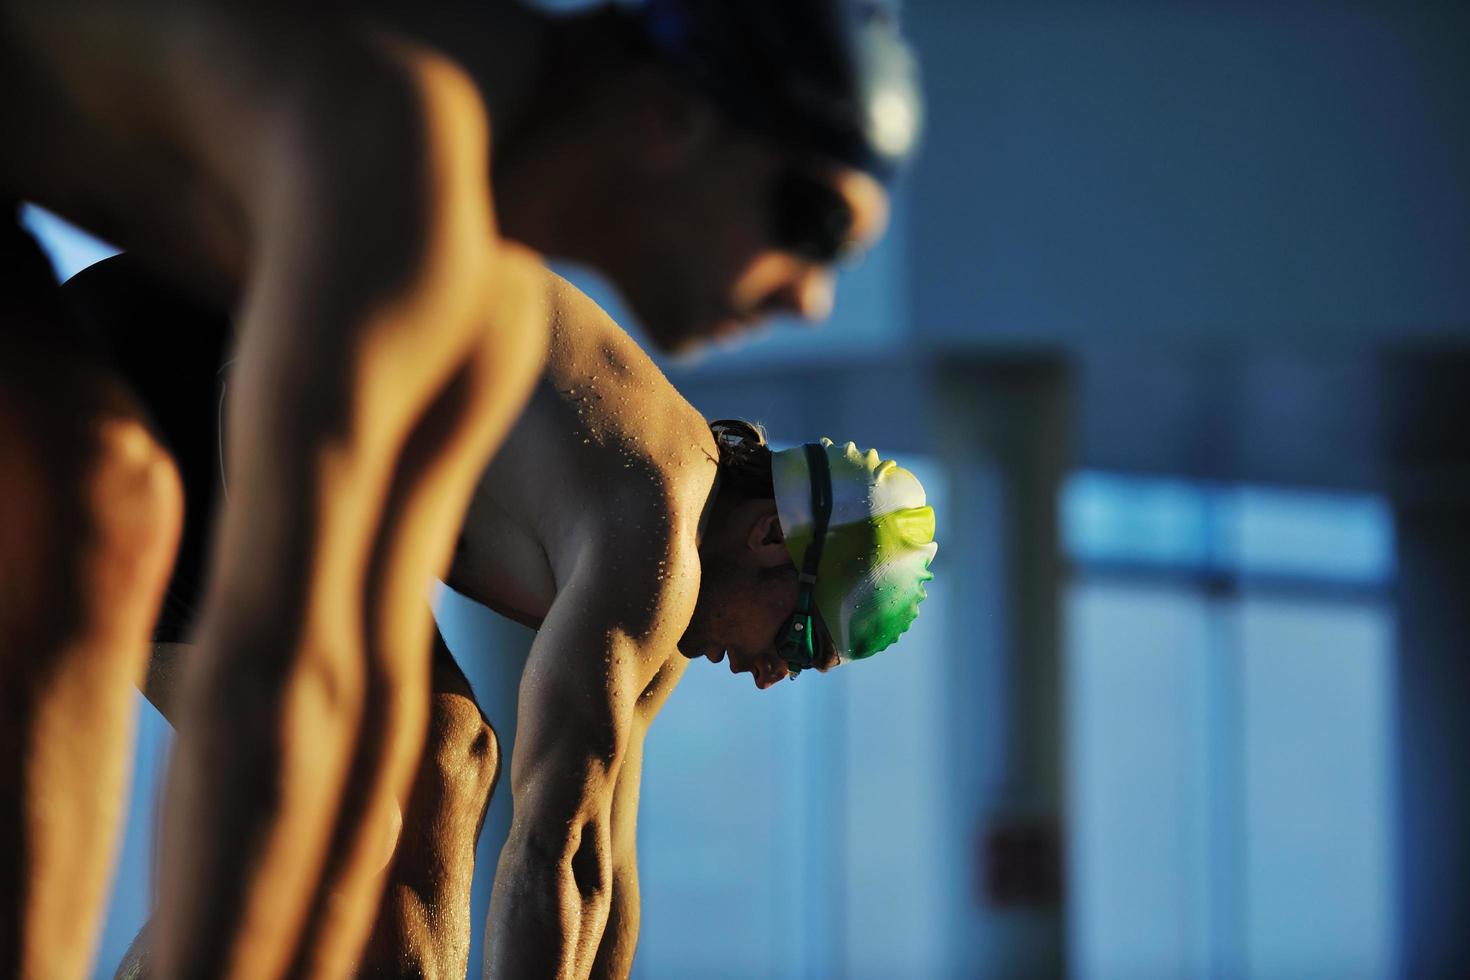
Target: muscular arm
<point>338,178</point>
<point>556,887</point>
<point>363,409</point>
<point>620,939</point>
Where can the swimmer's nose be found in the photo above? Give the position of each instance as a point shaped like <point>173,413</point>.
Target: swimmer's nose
<point>814,290</point>
<point>807,293</point>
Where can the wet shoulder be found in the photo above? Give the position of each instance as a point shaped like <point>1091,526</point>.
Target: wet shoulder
<point>638,458</point>
<point>635,437</point>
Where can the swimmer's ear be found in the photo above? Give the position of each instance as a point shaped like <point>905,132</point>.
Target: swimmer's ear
<point>672,122</point>
<point>766,542</point>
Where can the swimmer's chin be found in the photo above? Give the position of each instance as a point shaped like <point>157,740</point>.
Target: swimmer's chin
<point>714,654</point>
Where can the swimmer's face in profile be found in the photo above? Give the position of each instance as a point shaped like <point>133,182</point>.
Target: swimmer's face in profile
<point>747,594</point>
<point>735,232</point>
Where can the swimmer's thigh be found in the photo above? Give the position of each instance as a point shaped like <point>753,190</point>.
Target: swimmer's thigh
<point>90,509</point>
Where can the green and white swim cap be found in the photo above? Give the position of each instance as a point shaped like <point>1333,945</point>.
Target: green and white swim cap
<point>876,552</point>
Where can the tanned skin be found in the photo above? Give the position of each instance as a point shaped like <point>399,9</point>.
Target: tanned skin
<point>337,174</point>
<point>422,927</point>
<point>595,542</point>
<point>87,537</point>
<point>600,524</point>
<point>388,339</point>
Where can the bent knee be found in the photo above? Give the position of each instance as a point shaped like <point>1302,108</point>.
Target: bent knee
<point>134,501</point>
<point>463,748</point>
<point>127,511</point>
<point>101,480</point>
<point>90,522</point>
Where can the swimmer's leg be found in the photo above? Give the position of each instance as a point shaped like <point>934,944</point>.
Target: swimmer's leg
<point>438,472</point>
<point>423,923</point>
<point>363,414</point>
<point>423,926</point>
<point>90,512</point>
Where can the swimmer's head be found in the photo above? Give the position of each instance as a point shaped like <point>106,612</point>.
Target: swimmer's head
<point>860,529</point>
<point>833,79</point>
<point>738,235</point>
<point>771,605</point>
<point>737,155</point>
<point>829,89</point>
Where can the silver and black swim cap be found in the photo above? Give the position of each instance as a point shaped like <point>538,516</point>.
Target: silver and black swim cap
<point>833,77</point>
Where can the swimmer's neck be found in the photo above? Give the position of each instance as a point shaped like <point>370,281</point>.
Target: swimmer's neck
<point>527,63</point>
<point>501,44</point>
<point>542,76</point>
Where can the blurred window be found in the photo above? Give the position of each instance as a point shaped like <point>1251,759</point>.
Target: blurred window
<point>1241,531</point>
<point>1229,681</point>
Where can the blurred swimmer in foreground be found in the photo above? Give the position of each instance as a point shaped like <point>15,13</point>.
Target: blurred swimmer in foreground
<point>361,183</point>
<point>634,537</point>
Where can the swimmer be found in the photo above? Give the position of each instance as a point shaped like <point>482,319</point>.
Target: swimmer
<point>636,538</point>
<point>361,182</point>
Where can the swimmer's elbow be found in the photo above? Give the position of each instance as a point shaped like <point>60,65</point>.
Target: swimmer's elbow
<point>577,859</point>
<point>553,894</point>
<point>591,864</point>
<point>562,823</point>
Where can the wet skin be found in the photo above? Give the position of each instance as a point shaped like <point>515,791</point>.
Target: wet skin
<point>600,517</point>
<point>388,336</point>
<point>599,524</point>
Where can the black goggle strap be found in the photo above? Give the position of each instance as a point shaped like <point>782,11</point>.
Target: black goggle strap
<point>797,648</point>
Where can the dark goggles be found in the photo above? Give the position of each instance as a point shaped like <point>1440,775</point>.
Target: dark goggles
<point>797,645</point>
<point>809,218</point>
